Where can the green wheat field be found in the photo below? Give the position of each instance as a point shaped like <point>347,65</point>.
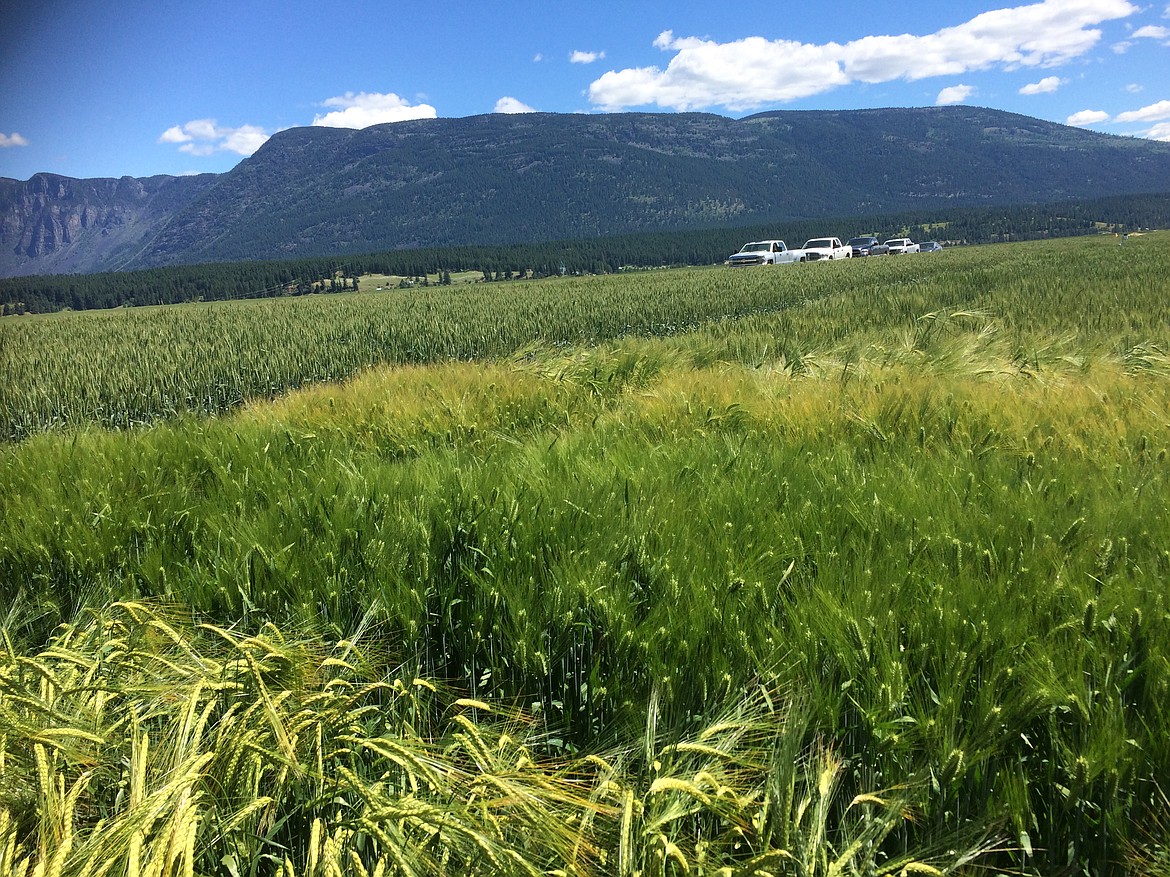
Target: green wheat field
<point>855,568</point>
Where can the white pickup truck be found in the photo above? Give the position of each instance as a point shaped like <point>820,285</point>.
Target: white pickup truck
<point>901,245</point>
<point>816,249</point>
<point>763,253</point>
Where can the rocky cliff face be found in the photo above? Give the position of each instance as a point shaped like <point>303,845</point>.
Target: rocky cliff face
<point>52,217</point>
<point>51,224</point>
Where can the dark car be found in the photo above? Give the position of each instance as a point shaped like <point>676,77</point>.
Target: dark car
<point>929,247</point>
<point>868,245</point>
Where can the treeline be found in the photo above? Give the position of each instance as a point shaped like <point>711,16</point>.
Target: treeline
<point>602,255</point>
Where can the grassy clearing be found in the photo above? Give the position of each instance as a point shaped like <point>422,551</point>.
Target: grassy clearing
<point>923,516</point>
<point>392,282</point>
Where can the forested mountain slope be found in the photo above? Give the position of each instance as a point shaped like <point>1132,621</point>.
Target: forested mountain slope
<point>521,178</point>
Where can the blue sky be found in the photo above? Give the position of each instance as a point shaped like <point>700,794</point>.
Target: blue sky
<point>142,87</point>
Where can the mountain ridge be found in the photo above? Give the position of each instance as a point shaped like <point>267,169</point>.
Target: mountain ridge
<point>502,179</point>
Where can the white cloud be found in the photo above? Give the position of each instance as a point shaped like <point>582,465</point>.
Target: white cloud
<point>585,57</point>
<point>511,105</point>
<point>1047,85</point>
<point>370,108</point>
<point>1134,87</point>
<point>738,75</point>
<point>1087,117</point>
<point>1038,35</point>
<point>13,139</point>
<point>1122,47</point>
<point>174,134</point>
<point>1153,32</point>
<point>205,136</point>
<point>537,58</point>
<point>1153,113</point>
<point>245,140</point>
<point>954,94</point>
<point>752,71</point>
<point>1161,131</point>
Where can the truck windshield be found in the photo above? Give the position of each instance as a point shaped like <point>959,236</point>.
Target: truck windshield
<point>756,248</point>
<point>818,243</point>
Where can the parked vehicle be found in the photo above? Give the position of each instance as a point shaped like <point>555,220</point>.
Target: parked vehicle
<point>818,249</point>
<point>930,247</point>
<point>901,245</point>
<point>868,245</point>
<point>763,253</point>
